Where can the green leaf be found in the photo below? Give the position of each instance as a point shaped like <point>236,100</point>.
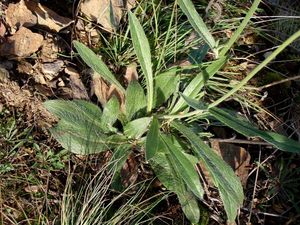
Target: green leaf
<point>143,53</point>
<point>119,157</point>
<point>249,130</point>
<point>93,61</point>
<point>196,21</point>
<point>79,128</point>
<point>165,85</point>
<point>166,171</point>
<point>186,169</point>
<point>110,113</point>
<point>226,181</point>
<point>135,101</point>
<point>136,128</point>
<point>198,82</point>
<point>152,139</point>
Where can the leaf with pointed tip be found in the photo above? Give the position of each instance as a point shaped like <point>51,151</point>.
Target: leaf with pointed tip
<point>167,172</point>
<point>143,53</point>
<point>93,61</point>
<point>196,21</point>
<point>226,181</point>
<point>247,129</point>
<point>186,169</point>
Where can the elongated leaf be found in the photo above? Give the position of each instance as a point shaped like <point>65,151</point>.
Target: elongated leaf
<point>119,157</point>
<point>196,85</point>
<point>79,128</point>
<point>196,21</point>
<point>249,130</point>
<point>168,174</point>
<point>136,128</point>
<point>165,86</point>
<point>135,101</point>
<point>143,53</point>
<point>186,169</point>
<point>110,113</point>
<point>93,61</point>
<point>229,185</point>
<point>152,139</point>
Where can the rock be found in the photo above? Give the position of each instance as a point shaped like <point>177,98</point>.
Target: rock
<point>18,15</point>
<point>22,44</point>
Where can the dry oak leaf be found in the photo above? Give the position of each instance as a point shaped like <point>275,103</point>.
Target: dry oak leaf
<point>108,13</point>
<point>18,15</point>
<point>23,43</point>
<point>47,17</point>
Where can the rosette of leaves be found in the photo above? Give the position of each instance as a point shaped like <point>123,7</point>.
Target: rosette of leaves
<point>158,120</point>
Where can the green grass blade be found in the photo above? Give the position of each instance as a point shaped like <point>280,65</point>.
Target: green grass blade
<point>249,130</point>
<point>257,69</point>
<point>93,61</point>
<point>228,183</point>
<point>143,53</point>
<point>195,20</point>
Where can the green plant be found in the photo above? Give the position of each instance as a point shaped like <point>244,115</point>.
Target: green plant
<point>162,123</point>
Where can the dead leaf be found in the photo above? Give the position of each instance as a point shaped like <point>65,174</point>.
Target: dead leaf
<point>18,15</point>
<point>47,17</point>
<point>114,91</point>
<point>78,88</point>
<point>23,43</point>
<point>108,13</point>
<point>34,188</point>
<point>131,73</point>
<point>129,171</point>
<point>237,157</point>
<point>99,88</point>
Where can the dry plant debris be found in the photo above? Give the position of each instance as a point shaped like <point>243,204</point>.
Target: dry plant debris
<point>108,13</point>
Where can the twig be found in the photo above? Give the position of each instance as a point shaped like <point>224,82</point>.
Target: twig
<point>278,82</point>
<point>254,189</point>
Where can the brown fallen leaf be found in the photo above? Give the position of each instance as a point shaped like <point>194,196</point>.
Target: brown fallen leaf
<point>114,91</point>
<point>78,88</point>
<point>237,157</point>
<point>99,87</point>
<point>129,171</point>
<point>131,73</point>
<point>108,13</point>
<point>47,17</point>
<point>18,15</point>
<point>23,43</point>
